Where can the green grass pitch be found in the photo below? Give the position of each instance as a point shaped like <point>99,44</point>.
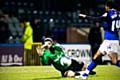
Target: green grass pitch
<point>104,72</point>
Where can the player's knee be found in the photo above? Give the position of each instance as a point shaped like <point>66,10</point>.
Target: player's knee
<point>113,57</point>
<point>114,61</point>
<point>69,73</point>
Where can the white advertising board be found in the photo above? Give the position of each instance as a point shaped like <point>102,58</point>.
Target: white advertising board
<point>79,52</point>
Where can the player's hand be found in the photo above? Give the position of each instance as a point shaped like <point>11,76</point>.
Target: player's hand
<point>38,49</point>
<point>44,46</point>
<point>82,15</point>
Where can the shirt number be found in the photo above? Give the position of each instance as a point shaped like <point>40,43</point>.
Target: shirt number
<point>115,25</point>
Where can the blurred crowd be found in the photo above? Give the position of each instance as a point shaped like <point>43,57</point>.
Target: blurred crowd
<point>13,28</point>
<point>10,28</point>
<point>47,18</point>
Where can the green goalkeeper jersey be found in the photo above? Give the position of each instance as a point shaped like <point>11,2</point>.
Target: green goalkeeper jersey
<point>54,57</point>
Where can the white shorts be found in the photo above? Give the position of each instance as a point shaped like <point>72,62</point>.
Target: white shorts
<point>110,45</point>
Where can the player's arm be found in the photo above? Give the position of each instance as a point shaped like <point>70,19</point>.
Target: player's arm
<point>103,17</point>
<point>59,48</point>
<point>40,49</point>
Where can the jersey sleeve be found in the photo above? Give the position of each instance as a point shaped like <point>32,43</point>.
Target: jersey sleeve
<point>57,47</point>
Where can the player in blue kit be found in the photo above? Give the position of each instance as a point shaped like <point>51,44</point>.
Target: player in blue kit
<point>110,45</point>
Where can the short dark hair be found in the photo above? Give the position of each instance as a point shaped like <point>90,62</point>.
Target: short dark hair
<point>112,4</point>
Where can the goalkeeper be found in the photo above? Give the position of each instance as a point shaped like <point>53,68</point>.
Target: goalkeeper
<point>52,53</point>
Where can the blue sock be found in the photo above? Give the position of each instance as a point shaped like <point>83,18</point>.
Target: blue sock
<point>118,64</point>
<point>92,65</point>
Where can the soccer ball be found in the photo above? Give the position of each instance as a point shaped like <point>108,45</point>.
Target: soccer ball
<point>65,61</point>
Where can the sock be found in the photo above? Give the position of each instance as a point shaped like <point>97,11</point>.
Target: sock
<point>91,66</point>
<point>77,74</point>
<point>118,64</point>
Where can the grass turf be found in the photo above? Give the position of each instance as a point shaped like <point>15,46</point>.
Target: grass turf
<point>104,72</point>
